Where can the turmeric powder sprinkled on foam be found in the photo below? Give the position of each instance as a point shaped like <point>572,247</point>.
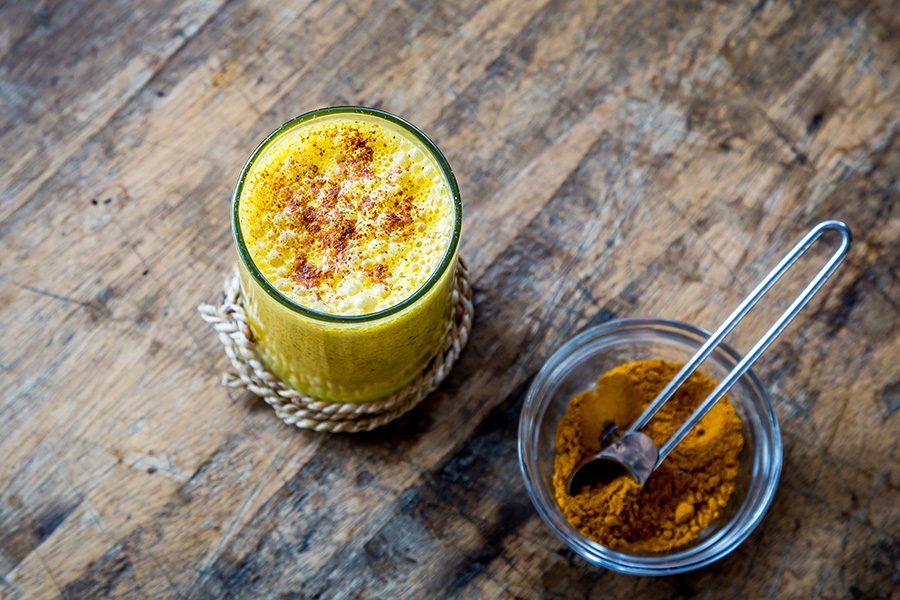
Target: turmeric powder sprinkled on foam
<point>689,489</point>
<point>346,216</point>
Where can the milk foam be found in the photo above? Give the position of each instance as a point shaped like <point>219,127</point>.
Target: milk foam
<point>346,215</point>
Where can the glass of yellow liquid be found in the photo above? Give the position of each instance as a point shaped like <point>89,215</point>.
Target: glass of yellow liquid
<point>347,223</point>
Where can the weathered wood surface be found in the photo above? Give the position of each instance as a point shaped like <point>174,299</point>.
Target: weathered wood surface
<point>616,159</point>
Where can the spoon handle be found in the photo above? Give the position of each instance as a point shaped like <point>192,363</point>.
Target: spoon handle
<point>743,308</point>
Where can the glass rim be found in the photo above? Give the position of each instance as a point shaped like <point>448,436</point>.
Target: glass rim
<point>432,280</point>
<point>718,545</point>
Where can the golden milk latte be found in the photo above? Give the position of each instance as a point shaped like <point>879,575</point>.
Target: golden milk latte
<point>346,215</point>
<point>347,225</point>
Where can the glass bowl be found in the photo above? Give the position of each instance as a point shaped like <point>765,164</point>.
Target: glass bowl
<point>576,366</point>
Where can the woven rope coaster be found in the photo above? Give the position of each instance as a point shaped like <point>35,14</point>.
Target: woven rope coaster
<point>295,408</point>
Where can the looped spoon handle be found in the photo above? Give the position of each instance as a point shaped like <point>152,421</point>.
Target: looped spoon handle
<point>632,440</point>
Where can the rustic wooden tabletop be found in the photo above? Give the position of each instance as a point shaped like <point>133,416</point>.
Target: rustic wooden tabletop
<point>616,159</point>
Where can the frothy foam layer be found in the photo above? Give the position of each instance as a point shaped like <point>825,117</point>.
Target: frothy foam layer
<point>346,215</point>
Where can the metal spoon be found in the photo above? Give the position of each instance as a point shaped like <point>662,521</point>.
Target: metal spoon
<point>635,453</point>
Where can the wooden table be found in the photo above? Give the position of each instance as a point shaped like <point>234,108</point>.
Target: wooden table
<point>616,159</point>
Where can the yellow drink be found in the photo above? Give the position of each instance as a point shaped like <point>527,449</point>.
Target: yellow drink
<point>347,223</point>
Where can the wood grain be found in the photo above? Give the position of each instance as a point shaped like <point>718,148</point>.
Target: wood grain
<point>616,159</point>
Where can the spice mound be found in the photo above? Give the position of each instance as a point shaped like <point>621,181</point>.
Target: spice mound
<point>689,489</point>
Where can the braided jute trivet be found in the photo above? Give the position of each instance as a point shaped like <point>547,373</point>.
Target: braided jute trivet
<point>295,408</point>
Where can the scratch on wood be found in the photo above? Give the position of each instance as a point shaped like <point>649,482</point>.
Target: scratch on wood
<point>97,309</point>
<point>66,299</point>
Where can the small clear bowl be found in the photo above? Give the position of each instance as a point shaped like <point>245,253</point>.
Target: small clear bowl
<point>576,366</point>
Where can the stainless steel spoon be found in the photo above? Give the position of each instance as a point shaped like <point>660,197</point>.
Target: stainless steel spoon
<point>635,453</point>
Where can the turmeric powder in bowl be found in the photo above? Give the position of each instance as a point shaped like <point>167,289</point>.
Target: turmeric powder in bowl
<point>684,495</point>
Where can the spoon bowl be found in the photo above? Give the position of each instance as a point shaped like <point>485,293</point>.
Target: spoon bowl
<point>633,454</point>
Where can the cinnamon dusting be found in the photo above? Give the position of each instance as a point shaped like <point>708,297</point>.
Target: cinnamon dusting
<point>338,194</point>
